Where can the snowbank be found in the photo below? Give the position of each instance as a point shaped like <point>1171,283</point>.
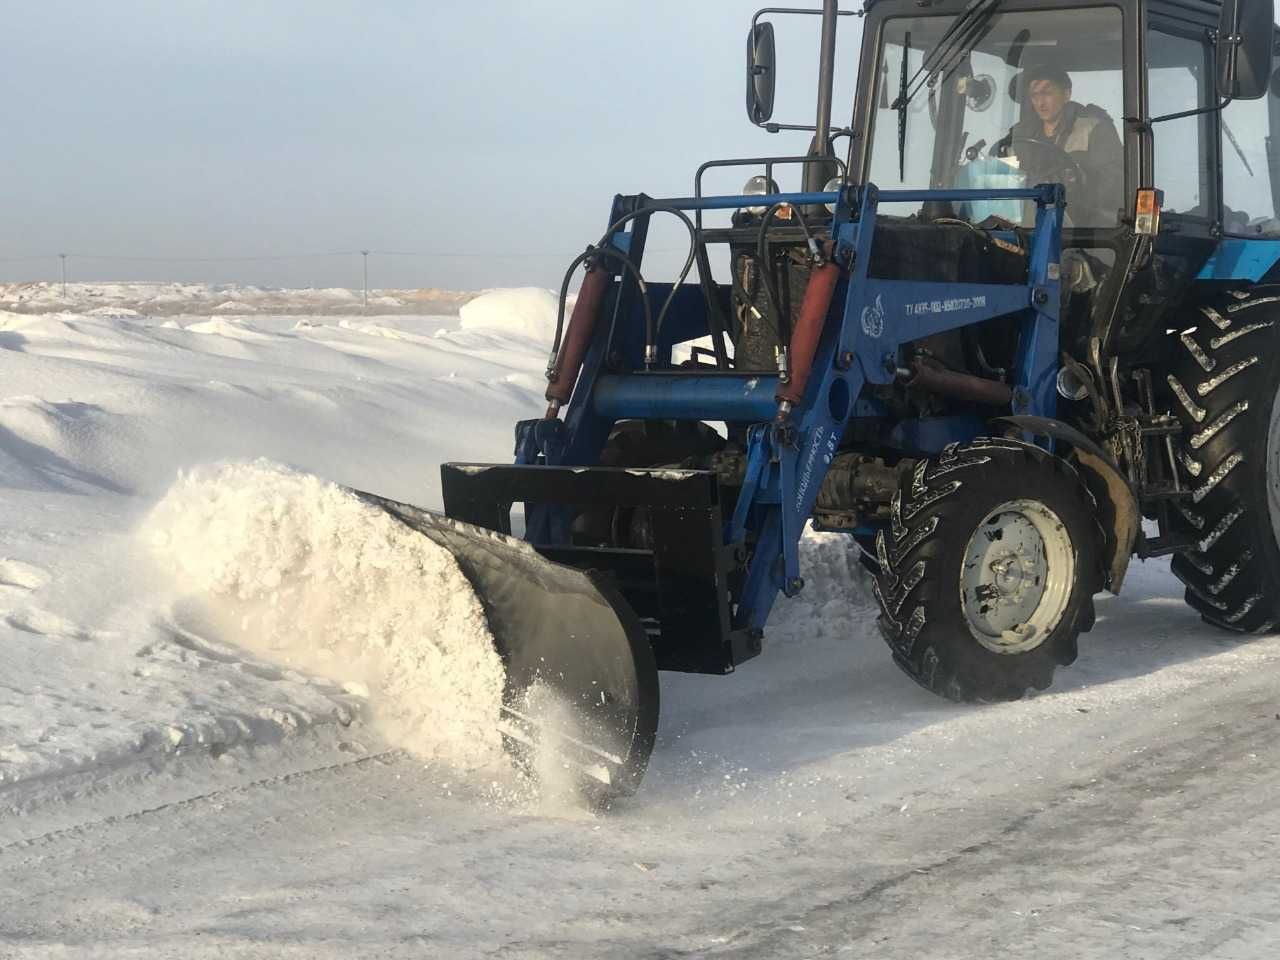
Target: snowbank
<point>98,415</point>
<point>205,299</point>
<point>524,311</point>
<point>307,575</point>
<point>235,306</point>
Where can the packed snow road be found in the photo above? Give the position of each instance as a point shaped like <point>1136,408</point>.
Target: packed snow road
<point>814,804</point>
<point>179,778</point>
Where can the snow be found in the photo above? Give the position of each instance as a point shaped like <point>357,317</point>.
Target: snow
<point>227,306</point>
<point>307,576</point>
<point>169,299</point>
<point>526,312</point>
<point>228,727</point>
<point>100,413</point>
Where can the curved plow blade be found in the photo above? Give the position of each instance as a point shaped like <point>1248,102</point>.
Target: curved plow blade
<point>581,681</point>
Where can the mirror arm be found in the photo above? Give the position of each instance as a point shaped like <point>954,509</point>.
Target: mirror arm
<point>769,126</point>
<point>772,127</point>
<point>1144,126</point>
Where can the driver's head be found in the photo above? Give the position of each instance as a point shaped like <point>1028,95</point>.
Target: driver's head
<point>1049,89</point>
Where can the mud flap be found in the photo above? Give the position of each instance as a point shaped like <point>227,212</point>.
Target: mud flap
<point>581,680</point>
<point>1118,508</point>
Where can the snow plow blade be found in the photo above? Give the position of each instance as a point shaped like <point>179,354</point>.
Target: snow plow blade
<point>581,681</point>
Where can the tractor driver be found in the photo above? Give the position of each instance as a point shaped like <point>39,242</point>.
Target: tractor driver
<point>1066,142</point>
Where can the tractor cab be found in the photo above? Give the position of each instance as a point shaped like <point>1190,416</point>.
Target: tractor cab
<point>1023,97</point>
<point>975,122</point>
<point>1106,99</point>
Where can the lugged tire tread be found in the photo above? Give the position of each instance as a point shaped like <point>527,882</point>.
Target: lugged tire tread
<point>1221,456</point>
<point>913,543</point>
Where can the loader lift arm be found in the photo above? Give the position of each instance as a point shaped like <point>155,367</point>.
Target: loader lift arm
<point>736,564</point>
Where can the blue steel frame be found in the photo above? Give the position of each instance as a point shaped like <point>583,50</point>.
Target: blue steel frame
<point>870,321</point>
<point>1241,258</point>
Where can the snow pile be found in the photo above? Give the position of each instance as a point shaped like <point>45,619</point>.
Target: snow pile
<point>524,311</point>
<point>227,328</point>
<point>114,313</point>
<point>341,294</point>
<point>206,299</point>
<point>302,572</point>
<point>836,582</point>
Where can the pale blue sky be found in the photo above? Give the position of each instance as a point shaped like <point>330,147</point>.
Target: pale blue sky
<point>180,128</point>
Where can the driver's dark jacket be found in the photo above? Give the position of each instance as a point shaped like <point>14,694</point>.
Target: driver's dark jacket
<point>1087,134</point>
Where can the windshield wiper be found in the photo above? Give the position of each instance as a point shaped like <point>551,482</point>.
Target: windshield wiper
<point>1234,142</point>
<point>902,110</point>
<point>961,34</point>
<point>956,41</point>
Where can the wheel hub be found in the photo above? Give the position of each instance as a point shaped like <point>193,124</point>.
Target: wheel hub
<point>1012,574</point>
<point>1015,584</point>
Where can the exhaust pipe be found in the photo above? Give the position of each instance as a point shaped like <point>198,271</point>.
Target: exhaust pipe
<point>817,174</point>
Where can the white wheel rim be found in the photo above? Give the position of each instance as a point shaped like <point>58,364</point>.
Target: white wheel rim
<point>1016,579</point>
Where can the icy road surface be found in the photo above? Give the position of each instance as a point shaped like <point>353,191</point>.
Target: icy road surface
<point>167,792</point>
<point>812,805</point>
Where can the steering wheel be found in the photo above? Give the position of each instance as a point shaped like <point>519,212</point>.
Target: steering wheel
<point>1046,159</point>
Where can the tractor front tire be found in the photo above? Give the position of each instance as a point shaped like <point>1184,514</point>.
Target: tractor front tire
<point>1224,385</point>
<point>988,570</point>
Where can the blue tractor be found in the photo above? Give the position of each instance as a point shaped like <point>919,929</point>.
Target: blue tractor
<point>1020,327</point>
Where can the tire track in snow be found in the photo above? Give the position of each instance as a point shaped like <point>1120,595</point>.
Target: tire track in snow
<point>80,829</point>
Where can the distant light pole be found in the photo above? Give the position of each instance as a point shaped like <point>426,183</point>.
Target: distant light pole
<point>63,257</point>
<point>365,254</point>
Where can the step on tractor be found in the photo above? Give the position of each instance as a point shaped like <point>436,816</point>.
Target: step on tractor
<point>1014,325</point>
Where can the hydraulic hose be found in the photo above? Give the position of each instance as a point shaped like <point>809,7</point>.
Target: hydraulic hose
<point>653,328</point>
<point>715,326</point>
<point>609,250</point>
<point>766,268</point>
<point>564,298</point>
<point>577,339</point>
<point>564,364</point>
<point>746,298</point>
<point>589,253</point>
<point>766,272</point>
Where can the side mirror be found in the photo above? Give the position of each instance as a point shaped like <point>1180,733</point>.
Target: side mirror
<point>761,76</point>
<point>1244,48</point>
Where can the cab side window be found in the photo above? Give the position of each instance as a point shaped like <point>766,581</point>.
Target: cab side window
<point>1179,71</point>
<point>1250,174</point>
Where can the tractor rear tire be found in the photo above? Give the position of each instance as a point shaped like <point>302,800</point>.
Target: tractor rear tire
<point>988,570</point>
<point>1224,383</point>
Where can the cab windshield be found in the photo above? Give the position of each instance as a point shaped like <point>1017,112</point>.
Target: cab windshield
<point>1034,97</point>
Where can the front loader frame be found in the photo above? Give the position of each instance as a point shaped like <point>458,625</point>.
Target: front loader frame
<point>732,563</point>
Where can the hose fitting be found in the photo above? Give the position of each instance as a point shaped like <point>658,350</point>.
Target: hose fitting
<point>784,365</point>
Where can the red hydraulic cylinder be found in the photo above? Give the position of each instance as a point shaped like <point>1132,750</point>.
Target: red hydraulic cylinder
<point>808,330</point>
<point>577,338</point>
